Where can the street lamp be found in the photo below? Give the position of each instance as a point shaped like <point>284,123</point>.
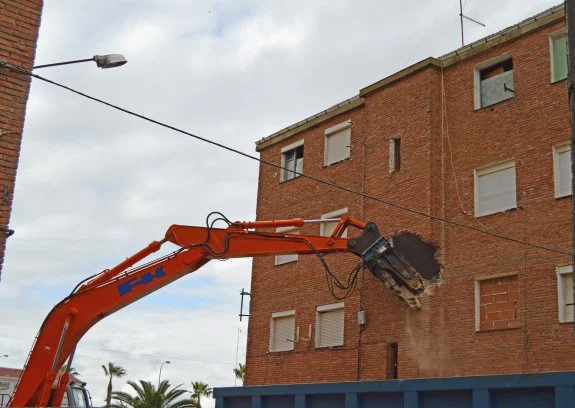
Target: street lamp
<point>160,375</point>
<point>102,61</point>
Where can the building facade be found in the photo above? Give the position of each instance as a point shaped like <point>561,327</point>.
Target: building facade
<point>480,137</point>
<point>19,25</point>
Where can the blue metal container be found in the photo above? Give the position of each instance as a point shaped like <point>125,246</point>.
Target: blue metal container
<point>545,390</point>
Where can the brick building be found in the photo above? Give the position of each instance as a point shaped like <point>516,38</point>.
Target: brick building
<point>478,136</point>
<point>19,24</point>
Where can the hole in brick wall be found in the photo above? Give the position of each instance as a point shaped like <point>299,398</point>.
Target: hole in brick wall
<point>419,253</point>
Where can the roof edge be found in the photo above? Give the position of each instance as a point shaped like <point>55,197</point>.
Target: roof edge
<point>310,122</point>
<point>538,21</point>
<point>412,69</point>
<point>526,26</point>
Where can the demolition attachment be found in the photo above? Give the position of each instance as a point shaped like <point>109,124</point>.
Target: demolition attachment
<point>387,264</point>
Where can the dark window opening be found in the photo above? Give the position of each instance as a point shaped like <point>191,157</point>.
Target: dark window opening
<point>293,163</point>
<point>496,69</point>
<point>394,155</point>
<point>397,154</point>
<point>392,361</point>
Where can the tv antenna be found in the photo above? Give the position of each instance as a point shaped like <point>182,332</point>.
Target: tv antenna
<point>462,16</point>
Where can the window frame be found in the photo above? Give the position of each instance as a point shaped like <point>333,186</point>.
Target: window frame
<point>332,214</point>
<point>563,272</point>
<point>318,313</point>
<point>486,170</point>
<point>289,230</point>
<point>552,37</point>
<point>477,79</point>
<point>557,150</point>
<point>278,315</point>
<point>330,132</point>
<point>283,152</point>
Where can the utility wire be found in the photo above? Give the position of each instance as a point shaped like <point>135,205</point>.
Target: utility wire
<point>318,180</point>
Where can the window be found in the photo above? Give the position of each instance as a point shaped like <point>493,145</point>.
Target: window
<point>562,170</point>
<point>394,155</point>
<point>282,331</point>
<point>493,81</point>
<point>292,161</point>
<point>337,143</point>
<point>283,259</point>
<point>495,189</point>
<point>565,289</point>
<point>327,228</point>
<point>392,363</point>
<point>496,303</point>
<point>79,397</point>
<point>329,325</point>
<point>559,54</point>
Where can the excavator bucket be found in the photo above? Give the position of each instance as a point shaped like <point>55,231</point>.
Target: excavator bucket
<point>403,275</point>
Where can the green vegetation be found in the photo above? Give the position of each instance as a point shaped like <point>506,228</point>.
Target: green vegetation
<point>147,396</point>
<point>112,371</point>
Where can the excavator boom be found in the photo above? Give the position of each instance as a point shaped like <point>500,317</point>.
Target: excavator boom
<point>41,385</point>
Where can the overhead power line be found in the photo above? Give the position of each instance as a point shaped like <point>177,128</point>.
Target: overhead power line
<point>268,163</point>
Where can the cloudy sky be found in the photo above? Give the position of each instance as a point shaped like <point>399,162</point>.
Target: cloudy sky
<point>95,185</point>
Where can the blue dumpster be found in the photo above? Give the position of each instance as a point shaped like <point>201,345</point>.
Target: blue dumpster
<point>545,390</point>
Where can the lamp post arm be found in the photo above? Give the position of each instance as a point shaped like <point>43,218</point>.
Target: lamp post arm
<point>63,63</point>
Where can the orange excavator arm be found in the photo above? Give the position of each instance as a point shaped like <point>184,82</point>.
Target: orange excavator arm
<point>41,385</point>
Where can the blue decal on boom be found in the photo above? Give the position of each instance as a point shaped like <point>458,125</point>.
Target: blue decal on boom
<point>148,277</point>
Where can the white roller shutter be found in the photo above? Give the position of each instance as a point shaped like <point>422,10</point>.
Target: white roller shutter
<point>568,296</point>
<point>282,333</point>
<point>283,259</point>
<point>327,228</point>
<point>562,158</point>
<point>337,143</point>
<point>331,326</point>
<point>495,189</point>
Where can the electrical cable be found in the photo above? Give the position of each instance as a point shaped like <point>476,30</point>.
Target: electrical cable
<point>268,163</point>
<point>332,281</point>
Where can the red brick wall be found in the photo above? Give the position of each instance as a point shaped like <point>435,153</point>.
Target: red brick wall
<point>19,24</point>
<point>437,177</point>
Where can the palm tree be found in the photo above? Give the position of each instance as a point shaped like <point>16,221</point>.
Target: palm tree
<point>71,371</point>
<point>240,372</point>
<point>112,371</point>
<point>200,390</point>
<point>147,396</point>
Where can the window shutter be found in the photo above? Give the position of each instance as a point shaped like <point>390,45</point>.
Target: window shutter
<point>331,328</point>
<point>283,259</point>
<point>338,146</point>
<point>564,176</point>
<point>560,52</point>
<point>496,191</point>
<point>282,334</point>
<point>328,228</point>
